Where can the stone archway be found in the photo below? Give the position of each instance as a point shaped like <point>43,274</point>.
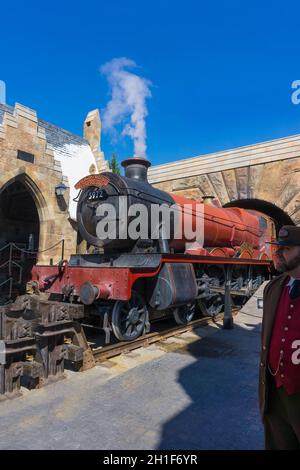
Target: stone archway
<point>22,214</point>
<point>19,219</point>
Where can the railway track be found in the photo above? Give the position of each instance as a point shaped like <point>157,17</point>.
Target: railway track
<point>107,352</point>
<point>60,339</point>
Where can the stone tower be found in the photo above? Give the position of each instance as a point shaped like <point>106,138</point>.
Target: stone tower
<point>92,133</point>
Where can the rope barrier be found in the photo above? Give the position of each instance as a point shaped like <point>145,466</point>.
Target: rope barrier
<point>36,252</point>
<point>5,246</point>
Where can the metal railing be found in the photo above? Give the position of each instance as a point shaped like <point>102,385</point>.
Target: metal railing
<point>14,268</point>
<point>8,267</point>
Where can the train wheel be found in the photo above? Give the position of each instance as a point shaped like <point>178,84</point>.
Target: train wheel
<point>214,305</point>
<point>184,314</point>
<point>129,318</point>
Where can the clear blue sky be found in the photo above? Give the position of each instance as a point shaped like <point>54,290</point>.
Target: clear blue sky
<point>221,71</point>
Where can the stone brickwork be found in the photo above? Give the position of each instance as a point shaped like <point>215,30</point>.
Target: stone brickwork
<point>92,133</point>
<point>50,148</point>
<point>268,171</point>
<point>20,131</point>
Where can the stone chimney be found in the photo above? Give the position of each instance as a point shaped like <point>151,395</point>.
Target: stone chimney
<point>92,133</point>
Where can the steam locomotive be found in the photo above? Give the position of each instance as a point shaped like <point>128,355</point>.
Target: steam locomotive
<point>125,282</point>
<point>122,283</point>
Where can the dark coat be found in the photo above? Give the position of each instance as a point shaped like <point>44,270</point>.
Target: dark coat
<point>271,295</point>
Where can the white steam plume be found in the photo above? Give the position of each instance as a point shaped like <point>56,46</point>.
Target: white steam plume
<point>128,102</point>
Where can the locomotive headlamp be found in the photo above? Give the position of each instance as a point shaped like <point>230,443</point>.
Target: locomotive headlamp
<point>60,189</point>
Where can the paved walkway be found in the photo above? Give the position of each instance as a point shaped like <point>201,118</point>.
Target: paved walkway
<point>197,391</point>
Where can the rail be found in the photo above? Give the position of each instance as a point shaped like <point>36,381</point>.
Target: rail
<point>106,352</point>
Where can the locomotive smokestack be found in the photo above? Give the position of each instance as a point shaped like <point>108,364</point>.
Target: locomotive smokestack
<point>136,168</point>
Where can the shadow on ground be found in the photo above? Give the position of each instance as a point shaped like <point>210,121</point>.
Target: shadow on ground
<point>223,388</point>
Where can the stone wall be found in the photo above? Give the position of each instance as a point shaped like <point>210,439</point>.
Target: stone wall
<point>20,131</point>
<point>268,171</point>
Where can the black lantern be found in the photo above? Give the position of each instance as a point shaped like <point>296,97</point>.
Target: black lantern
<point>60,189</point>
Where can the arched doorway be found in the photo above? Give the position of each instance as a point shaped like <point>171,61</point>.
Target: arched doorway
<point>19,237</point>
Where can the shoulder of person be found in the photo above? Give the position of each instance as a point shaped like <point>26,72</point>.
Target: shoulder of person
<point>274,282</point>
